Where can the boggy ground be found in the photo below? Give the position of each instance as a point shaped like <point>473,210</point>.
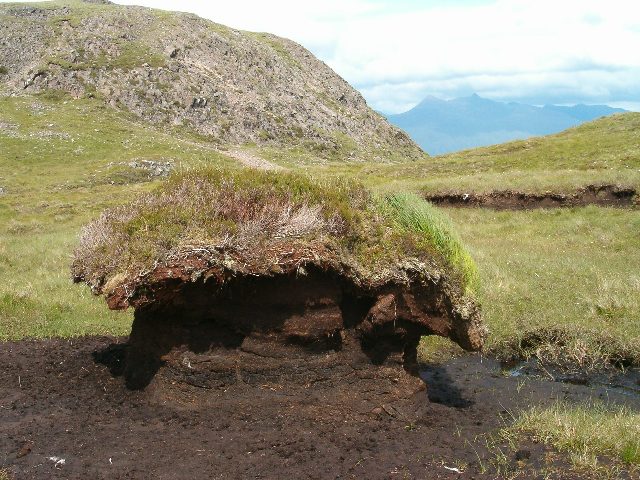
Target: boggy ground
<point>60,398</point>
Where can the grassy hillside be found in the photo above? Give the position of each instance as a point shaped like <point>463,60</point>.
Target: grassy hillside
<point>603,151</point>
<point>171,68</point>
<point>62,162</point>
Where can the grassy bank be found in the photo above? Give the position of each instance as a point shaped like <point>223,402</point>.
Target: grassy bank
<point>569,270</point>
<point>603,151</point>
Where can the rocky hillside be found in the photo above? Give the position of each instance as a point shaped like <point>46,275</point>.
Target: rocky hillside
<point>181,70</point>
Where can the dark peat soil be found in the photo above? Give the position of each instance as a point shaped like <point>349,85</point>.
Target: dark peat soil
<point>64,415</point>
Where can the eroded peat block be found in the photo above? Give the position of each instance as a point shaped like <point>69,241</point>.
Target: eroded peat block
<point>601,195</point>
<point>269,279</point>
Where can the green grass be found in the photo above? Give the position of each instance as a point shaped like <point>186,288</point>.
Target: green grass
<point>37,298</point>
<point>55,168</point>
<point>602,151</point>
<point>569,270</point>
<point>413,213</point>
<point>605,150</point>
<point>586,432</point>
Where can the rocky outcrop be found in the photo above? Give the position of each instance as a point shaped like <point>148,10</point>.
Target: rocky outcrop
<point>181,70</point>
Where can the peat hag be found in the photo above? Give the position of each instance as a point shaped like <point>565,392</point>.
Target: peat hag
<point>320,284</point>
<point>602,195</point>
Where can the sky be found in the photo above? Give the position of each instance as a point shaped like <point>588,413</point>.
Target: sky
<point>398,52</point>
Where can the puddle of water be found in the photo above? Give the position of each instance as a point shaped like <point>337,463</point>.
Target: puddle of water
<point>626,383</point>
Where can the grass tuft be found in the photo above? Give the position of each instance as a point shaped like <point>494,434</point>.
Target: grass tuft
<point>413,213</point>
<point>586,431</point>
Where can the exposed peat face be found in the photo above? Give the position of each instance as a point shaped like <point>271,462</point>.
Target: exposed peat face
<point>603,195</point>
<point>261,329</point>
<point>271,275</point>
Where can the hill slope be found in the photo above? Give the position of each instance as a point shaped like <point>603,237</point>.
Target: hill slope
<point>181,70</point>
<point>604,151</point>
<point>441,126</point>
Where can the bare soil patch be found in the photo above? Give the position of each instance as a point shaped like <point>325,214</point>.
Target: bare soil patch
<point>64,400</point>
<point>252,160</point>
<point>602,195</point>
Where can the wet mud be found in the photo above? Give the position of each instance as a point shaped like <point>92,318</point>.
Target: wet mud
<point>66,412</point>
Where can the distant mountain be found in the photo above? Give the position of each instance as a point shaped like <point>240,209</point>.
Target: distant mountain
<point>441,126</point>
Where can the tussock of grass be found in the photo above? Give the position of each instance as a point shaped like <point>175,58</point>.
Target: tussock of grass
<point>586,431</point>
<point>411,212</point>
<point>247,212</point>
<point>251,216</point>
<point>570,348</point>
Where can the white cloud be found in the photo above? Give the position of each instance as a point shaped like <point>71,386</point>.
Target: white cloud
<point>398,52</point>
<point>514,49</point>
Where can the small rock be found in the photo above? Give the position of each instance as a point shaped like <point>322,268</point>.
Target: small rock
<point>199,102</point>
<point>25,449</point>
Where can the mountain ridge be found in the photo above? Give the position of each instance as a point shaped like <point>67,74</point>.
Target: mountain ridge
<point>443,126</point>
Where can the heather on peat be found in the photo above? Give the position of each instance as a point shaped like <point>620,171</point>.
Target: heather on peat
<point>249,219</point>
